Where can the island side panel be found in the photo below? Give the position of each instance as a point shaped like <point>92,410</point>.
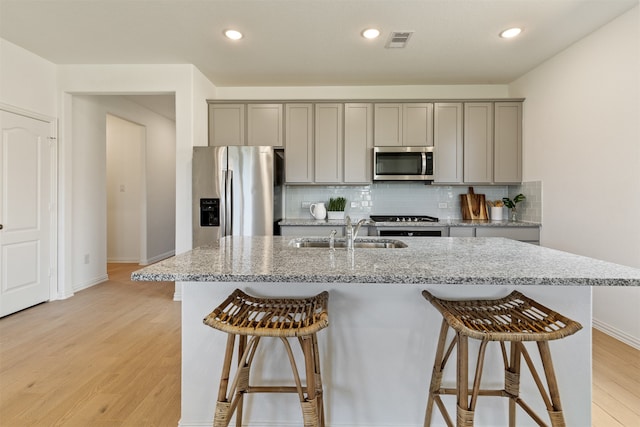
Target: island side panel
<point>377,355</point>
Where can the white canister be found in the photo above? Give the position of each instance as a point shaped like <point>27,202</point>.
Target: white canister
<point>496,213</point>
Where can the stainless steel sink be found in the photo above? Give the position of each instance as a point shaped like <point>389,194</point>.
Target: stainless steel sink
<point>323,242</point>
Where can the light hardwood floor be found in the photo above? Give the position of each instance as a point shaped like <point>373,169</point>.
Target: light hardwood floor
<point>110,356</point>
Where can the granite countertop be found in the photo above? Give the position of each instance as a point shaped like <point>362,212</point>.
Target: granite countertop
<point>438,260</point>
<point>441,223</point>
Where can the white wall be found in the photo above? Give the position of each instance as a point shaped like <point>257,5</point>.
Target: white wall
<point>27,81</point>
<point>365,92</point>
<point>582,140</point>
<point>126,198</point>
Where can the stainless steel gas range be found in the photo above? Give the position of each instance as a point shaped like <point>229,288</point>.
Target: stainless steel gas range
<point>408,226</point>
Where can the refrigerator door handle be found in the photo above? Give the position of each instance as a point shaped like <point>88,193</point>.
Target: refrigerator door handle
<point>228,201</point>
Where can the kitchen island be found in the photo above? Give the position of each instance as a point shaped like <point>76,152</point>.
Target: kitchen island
<point>378,351</point>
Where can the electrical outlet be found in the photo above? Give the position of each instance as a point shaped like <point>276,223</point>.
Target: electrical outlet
<point>442,205</point>
<point>354,204</point>
<point>305,205</point>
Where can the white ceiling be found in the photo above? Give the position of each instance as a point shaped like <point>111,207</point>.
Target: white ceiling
<point>309,42</point>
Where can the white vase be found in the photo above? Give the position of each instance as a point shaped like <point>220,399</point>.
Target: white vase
<point>335,214</point>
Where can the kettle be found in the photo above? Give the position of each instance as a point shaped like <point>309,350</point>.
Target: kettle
<point>318,210</point>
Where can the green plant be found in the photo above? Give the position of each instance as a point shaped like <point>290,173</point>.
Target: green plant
<point>337,204</point>
<point>511,204</point>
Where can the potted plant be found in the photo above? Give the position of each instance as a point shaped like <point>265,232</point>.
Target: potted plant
<point>335,208</point>
<point>511,204</point>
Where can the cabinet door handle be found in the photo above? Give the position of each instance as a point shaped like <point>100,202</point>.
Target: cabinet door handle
<point>1,226</point>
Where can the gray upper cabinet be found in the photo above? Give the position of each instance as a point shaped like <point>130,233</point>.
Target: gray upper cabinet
<point>358,142</point>
<point>417,124</point>
<point>507,161</point>
<point>448,142</point>
<point>492,142</point>
<point>299,143</point>
<point>332,142</point>
<point>226,124</point>
<point>264,124</point>
<point>403,124</point>
<point>478,142</point>
<point>329,144</point>
<point>245,124</point>
<point>388,124</point>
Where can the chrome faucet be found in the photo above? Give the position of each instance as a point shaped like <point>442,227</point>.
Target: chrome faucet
<point>332,239</point>
<point>352,232</point>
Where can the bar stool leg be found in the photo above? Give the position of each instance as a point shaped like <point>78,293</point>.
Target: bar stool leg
<point>221,417</point>
<point>230,397</point>
<point>436,379</point>
<point>242,343</point>
<point>512,380</point>
<point>464,415</point>
<point>310,405</point>
<point>555,412</point>
<point>318,375</point>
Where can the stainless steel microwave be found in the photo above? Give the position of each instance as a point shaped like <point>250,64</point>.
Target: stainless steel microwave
<point>403,164</point>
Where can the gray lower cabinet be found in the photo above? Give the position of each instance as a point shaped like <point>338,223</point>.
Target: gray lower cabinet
<point>462,232</point>
<point>313,230</point>
<point>523,234</point>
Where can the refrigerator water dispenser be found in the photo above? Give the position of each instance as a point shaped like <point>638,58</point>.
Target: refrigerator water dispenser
<point>209,212</point>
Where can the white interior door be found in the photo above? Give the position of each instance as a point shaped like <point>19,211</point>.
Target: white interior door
<point>25,211</point>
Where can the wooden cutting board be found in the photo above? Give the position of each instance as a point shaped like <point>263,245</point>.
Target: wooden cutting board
<point>473,205</point>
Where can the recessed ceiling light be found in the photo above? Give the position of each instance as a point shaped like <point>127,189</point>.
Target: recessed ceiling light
<point>233,34</point>
<point>510,32</point>
<point>370,33</point>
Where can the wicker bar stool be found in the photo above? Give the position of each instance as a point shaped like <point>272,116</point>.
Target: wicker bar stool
<point>245,316</point>
<point>514,318</point>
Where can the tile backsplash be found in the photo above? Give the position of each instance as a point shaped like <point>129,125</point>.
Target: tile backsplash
<point>530,209</point>
<point>410,198</point>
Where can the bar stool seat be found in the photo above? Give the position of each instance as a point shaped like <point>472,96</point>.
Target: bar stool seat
<point>245,316</point>
<point>514,318</point>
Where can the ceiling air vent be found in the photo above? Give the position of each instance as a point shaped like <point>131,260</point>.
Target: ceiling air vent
<point>398,39</point>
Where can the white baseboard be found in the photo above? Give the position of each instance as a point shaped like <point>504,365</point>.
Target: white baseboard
<point>177,293</point>
<point>90,283</point>
<point>250,424</point>
<point>123,260</point>
<point>617,333</point>
<point>157,258</point>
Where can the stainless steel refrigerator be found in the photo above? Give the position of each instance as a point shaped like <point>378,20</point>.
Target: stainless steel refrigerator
<point>237,190</point>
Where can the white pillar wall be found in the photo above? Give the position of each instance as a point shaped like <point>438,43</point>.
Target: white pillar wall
<point>582,140</point>
<point>191,91</point>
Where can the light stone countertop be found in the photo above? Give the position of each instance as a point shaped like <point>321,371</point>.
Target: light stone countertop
<point>441,223</point>
<point>437,260</point>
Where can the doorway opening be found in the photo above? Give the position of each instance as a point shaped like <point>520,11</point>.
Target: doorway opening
<point>126,210</point>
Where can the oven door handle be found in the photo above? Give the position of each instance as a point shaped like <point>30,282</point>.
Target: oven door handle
<point>424,163</point>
